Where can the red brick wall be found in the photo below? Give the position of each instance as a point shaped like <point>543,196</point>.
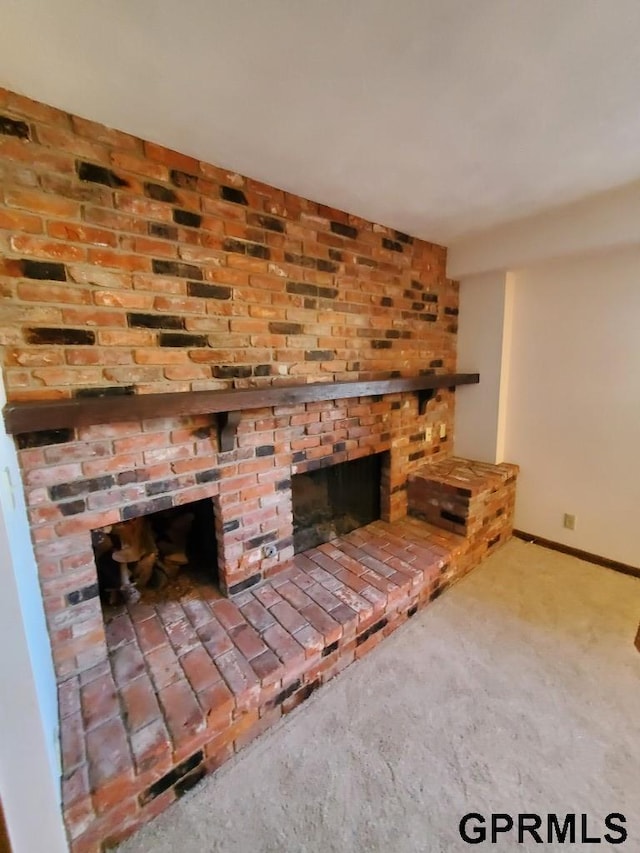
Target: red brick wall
<point>107,472</point>
<point>129,268</point>
<point>136,269</point>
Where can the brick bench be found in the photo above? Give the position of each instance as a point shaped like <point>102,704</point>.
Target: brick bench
<point>476,500</point>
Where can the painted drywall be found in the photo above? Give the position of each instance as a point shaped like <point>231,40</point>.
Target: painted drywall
<point>483,334</point>
<point>598,223</point>
<point>573,411</point>
<point>29,755</point>
<point>436,117</point>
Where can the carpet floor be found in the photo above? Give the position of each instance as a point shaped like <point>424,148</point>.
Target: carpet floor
<point>516,691</point>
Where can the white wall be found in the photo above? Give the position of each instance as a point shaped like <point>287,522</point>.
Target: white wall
<point>599,223</point>
<point>29,755</point>
<point>483,343</point>
<point>573,412</point>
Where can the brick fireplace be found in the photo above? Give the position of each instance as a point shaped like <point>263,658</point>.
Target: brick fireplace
<point>130,271</point>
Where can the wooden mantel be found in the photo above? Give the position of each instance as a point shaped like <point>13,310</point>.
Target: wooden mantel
<point>227,404</point>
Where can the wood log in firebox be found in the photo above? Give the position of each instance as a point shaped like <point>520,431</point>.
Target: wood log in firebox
<point>141,552</point>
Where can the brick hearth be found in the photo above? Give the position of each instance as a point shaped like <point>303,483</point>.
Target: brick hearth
<point>220,672</point>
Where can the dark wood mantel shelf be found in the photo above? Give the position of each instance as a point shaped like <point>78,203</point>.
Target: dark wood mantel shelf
<point>227,404</point>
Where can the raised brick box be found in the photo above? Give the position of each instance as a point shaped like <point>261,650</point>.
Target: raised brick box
<point>474,499</point>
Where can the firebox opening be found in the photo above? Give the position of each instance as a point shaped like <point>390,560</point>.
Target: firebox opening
<point>157,557</point>
<point>332,501</point>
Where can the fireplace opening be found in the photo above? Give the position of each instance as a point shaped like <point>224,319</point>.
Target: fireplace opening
<point>332,501</point>
<point>157,557</point>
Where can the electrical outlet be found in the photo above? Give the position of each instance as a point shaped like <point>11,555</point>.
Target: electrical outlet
<point>569,521</point>
<point>443,430</point>
<point>428,433</point>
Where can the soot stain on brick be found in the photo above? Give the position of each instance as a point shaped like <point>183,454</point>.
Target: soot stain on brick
<point>172,777</point>
<point>268,222</point>
<point>159,229</point>
<point>392,245</point>
<point>186,217</point>
<point>91,173</point>
<point>277,328</point>
<point>452,517</point>
<point>189,781</point>
<point>43,270</point>
<point>303,288</point>
<point>344,230</point>
<point>154,321</point>
<point>161,266</point>
<point>146,507</point>
<point>72,507</point>
<point>27,440</point>
<point>159,193</point>
<point>208,476</point>
<point>85,593</point>
<point>319,355</point>
<point>53,337</point>
<point>265,450</point>
<point>177,339</point>
<point>232,371</point>
<point>160,487</point>
<point>254,250</point>
<point>79,487</point>
<point>257,541</point>
<point>232,194</point>
<point>330,649</point>
<point>377,626</point>
<point>208,291</point>
<point>108,391</point>
<point>183,179</point>
<point>14,127</point>
<point>241,586</point>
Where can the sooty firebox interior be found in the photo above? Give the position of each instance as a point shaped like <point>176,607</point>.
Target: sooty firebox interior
<point>156,556</point>
<point>332,501</point>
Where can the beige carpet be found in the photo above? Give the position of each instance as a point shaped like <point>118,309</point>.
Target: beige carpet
<point>516,691</point>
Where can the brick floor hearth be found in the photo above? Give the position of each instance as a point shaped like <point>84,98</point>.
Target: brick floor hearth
<point>219,672</point>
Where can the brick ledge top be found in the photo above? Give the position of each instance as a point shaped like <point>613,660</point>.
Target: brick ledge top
<point>56,414</point>
<point>467,477</point>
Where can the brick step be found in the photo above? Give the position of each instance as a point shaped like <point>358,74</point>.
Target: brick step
<point>220,671</point>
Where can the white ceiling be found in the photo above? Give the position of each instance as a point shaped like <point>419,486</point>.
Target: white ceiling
<point>436,117</point>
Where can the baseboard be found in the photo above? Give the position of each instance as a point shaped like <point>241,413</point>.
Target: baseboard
<point>581,555</point>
